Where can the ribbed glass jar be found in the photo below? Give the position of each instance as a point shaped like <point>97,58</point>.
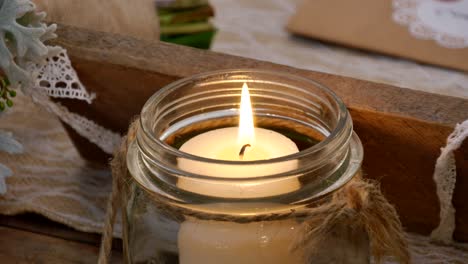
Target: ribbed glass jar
<point>181,214</point>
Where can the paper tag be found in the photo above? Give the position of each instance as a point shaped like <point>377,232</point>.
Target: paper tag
<point>445,21</point>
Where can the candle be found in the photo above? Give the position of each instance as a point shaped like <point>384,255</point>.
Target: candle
<point>214,242</point>
<point>243,143</point>
<point>208,242</point>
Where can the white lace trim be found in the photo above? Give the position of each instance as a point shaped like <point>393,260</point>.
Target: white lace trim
<point>445,176</point>
<point>102,137</point>
<point>59,79</point>
<point>445,22</point>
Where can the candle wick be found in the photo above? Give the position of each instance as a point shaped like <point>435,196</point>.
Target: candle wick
<point>242,151</point>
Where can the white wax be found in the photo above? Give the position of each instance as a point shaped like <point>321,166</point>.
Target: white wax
<point>210,242</point>
<point>214,242</point>
<point>222,144</point>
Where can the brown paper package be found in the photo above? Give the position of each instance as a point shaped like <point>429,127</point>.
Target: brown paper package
<point>368,25</point>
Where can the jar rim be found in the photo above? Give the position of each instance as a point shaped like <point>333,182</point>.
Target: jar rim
<point>342,120</point>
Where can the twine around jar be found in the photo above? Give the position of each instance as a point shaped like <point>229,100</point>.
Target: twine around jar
<point>357,205</point>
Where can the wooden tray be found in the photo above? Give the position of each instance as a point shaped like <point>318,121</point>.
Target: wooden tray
<point>402,130</point>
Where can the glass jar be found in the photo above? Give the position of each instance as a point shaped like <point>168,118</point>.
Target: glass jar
<point>177,214</point>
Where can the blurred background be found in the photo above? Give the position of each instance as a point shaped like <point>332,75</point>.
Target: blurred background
<point>329,36</point>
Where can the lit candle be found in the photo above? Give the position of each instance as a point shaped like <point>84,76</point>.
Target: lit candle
<point>243,143</point>
<point>223,242</point>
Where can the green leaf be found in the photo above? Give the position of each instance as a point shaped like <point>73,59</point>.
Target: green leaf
<point>200,40</point>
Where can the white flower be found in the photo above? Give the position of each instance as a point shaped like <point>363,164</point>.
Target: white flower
<point>22,32</point>
<point>5,172</point>
<point>11,146</point>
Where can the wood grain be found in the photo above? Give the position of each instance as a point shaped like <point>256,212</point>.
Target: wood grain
<point>166,62</point>
<point>402,160</point>
<point>20,246</point>
<point>40,225</point>
<point>402,130</point>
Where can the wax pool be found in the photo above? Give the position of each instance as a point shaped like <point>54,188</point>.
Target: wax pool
<point>221,144</point>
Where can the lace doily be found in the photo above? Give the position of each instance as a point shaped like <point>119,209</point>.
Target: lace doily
<point>60,80</point>
<point>445,21</point>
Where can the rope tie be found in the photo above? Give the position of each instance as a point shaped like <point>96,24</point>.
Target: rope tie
<point>359,205</point>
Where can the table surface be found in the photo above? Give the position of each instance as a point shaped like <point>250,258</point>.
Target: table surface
<point>31,238</point>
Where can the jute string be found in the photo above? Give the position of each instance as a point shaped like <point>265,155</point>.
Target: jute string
<point>357,206</point>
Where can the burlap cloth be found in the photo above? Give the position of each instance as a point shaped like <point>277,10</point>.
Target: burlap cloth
<point>51,178</point>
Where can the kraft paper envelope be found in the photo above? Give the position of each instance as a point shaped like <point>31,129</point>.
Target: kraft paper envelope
<point>430,31</point>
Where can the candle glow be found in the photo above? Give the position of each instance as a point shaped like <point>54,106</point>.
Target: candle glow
<point>242,143</point>
<point>246,134</point>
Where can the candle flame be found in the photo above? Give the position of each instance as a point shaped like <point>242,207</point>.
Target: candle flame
<point>246,133</point>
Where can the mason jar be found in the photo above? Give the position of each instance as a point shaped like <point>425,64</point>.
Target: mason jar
<point>184,207</point>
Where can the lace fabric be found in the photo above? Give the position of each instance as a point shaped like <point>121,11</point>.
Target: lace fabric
<point>424,251</point>
<point>58,78</point>
<point>48,178</point>
<point>445,176</point>
<point>434,20</point>
<point>100,136</point>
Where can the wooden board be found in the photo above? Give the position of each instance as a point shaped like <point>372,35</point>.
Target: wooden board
<point>402,130</point>
<point>33,239</point>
